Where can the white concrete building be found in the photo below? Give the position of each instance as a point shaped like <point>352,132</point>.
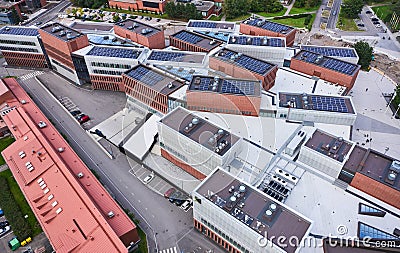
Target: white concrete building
<point>195,144</point>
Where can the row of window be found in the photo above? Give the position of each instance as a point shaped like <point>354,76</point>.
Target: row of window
<point>223,235</point>
<point>21,49</point>
<point>110,65</point>
<point>172,151</point>
<point>107,72</point>
<point>218,110</point>
<point>62,66</point>
<point>15,42</point>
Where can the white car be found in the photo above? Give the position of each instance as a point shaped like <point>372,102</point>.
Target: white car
<point>187,204</point>
<point>148,178</point>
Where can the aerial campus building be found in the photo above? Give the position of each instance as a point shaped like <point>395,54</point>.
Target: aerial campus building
<point>263,27</point>
<point>327,68</point>
<point>240,65</point>
<point>22,46</point>
<point>141,33</point>
<point>151,5</point>
<point>59,42</point>
<point>190,41</point>
<point>75,211</point>
<point>224,95</point>
<point>195,144</point>
<point>347,54</point>
<point>236,215</point>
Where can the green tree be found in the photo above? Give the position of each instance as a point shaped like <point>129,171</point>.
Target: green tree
<point>364,52</point>
<point>272,6</point>
<point>235,8</point>
<point>129,8</point>
<point>351,8</point>
<point>170,9</point>
<point>116,18</point>
<point>15,16</point>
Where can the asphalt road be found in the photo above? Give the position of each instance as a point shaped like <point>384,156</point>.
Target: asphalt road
<point>333,18</point>
<point>50,14</point>
<point>165,224</point>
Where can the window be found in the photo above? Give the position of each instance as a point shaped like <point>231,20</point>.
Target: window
<point>22,49</point>
<point>365,231</point>
<point>369,210</point>
<point>26,43</point>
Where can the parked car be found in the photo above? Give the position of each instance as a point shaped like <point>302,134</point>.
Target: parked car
<point>1,212</point>
<point>175,196</point>
<point>84,119</point>
<point>158,19</point>
<point>3,224</point>
<point>376,23</point>
<point>368,12</point>
<point>169,192</point>
<point>148,178</point>
<point>180,200</point>
<point>374,19</point>
<point>4,230</point>
<point>76,113</point>
<point>79,116</point>
<point>38,23</point>
<point>361,25</point>
<point>187,204</point>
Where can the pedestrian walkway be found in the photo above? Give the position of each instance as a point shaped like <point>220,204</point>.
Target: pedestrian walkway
<point>289,8</point>
<point>31,75</point>
<point>170,250</point>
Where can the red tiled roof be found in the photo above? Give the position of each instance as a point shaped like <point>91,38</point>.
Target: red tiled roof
<point>82,224</point>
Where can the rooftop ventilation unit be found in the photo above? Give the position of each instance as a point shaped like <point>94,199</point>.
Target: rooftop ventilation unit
<point>212,42</point>
<point>23,101</point>
<point>169,67</point>
<point>287,176</point>
<point>248,41</point>
<point>114,39</point>
<point>130,27</point>
<point>110,214</point>
<point>62,33</point>
<point>233,39</point>
<point>61,149</point>
<point>56,29</point>
<point>197,80</point>
<point>42,124</point>
<point>146,30</point>
<point>191,71</point>
<point>105,37</point>
<point>180,69</point>
<point>134,25</point>
<point>319,59</point>
<point>7,28</point>
<point>80,175</point>
<point>207,32</point>
<point>260,23</point>
<point>264,41</point>
<point>70,36</point>
<point>170,86</point>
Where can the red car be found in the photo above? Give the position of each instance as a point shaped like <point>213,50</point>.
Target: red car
<point>84,119</point>
<point>169,192</point>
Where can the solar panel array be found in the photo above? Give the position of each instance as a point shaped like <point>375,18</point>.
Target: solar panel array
<point>145,75</point>
<point>205,84</point>
<point>331,104</point>
<point>238,87</point>
<point>340,66</point>
<point>252,64</point>
<point>327,51</point>
<point>258,41</point>
<point>185,74</point>
<point>202,24</point>
<point>268,25</point>
<point>329,63</point>
<point>166,56</point>
<point>22,31</point>
<point>188,37</point>
<point>114,52</point>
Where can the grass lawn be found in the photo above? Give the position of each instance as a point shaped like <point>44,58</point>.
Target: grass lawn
<point>142,248</point>
<point>296,10</point>
<point>21,202</point>
<point>373,2</point>
<point>240,18</point>
<point>215,18</point>
<point>347,24</point>
<point>268,15</point>
<point>5,142</point>
<point>296,22</point>
<point>383,11</point>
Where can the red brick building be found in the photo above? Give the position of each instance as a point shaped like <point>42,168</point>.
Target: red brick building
<point>22,46</point>
<point>75,211</point>
<point>152,5</point>
<point>190,41</point>
<point>59,42</point>
<point>327,68</point>
<point>224,95</point>
<point>243,66</point>
<point>150,86</point>
<point>141,33</point>
<point>261,27</point>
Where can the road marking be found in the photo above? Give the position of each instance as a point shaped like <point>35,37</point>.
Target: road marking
<point>126,187</point>
<point>30,75</point>
<point>170,250</point>
<point>133,194</point>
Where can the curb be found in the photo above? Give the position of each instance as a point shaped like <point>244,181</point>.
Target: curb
<point>65,109</point>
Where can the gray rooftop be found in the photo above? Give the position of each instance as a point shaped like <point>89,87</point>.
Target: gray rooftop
<point>138,27</point>
<point>316,102</point>
<point>196,39</point>
<point>268,25</point>
<point>256,210</point>
<point>256,41</point>
<point>62,32</point>
<point>200,130</point>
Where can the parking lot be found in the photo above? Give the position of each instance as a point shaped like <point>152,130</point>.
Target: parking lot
<point>76,112</point>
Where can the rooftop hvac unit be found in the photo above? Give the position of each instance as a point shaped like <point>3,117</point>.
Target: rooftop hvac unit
<point>191,71</point>
<point>62,33</point>
<point>23,101</point>
<point>248,41</point>
<point>169,67</point>
<point>61,149</point>
<point>110,214</point>
<point>7,28</point>
<point>180,69</point>
<point>105,37</point>
<point>80,175</point>
<point>212,42</point>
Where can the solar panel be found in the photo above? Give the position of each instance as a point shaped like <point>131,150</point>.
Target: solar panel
<point>166,56</point>
<point>188,37</point>
<point>257,41</point>
<point>268,25</point>
<point>247,62</point>
<point>114,52</point>
<point>202,24</point>
<point>238,87</point>
<point>22,31</point>
<point>332,104</point>
<point>340,52</point>
<point>329,63</point>
<point>145,75</point>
